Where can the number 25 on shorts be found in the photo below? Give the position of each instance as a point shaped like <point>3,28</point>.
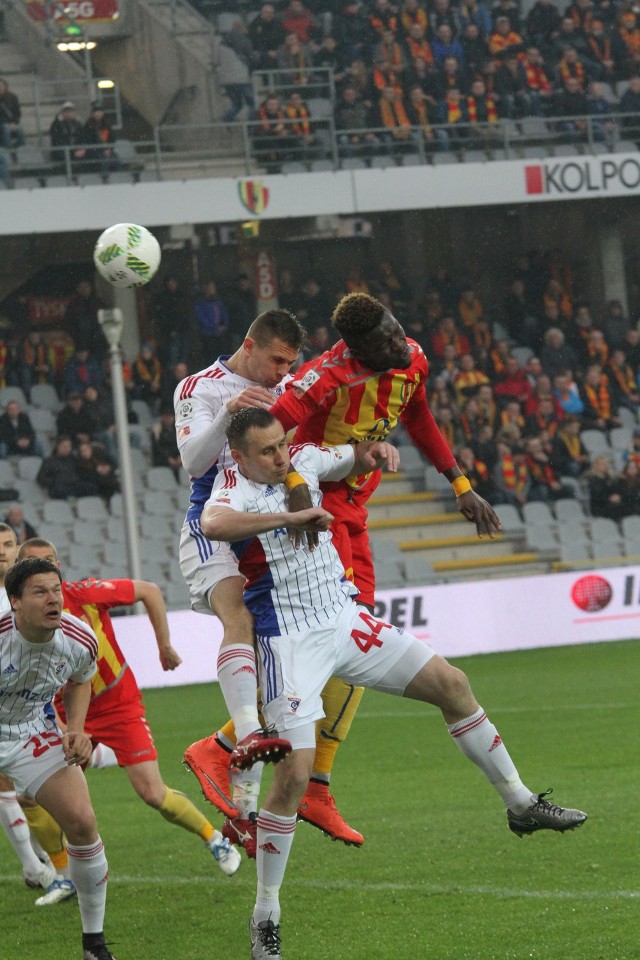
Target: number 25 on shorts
<point>50,739</point>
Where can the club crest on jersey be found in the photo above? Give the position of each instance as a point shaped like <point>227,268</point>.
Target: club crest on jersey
<point>185,409</point>
<point>59,667</point>
<point>294,703</point>
<point>310,377</point>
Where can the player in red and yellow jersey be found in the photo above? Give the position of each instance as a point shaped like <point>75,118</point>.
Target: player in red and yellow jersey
<point>373,378</point>
<point>116,714</point>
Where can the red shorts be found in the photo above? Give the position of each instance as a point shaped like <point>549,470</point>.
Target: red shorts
<point>349,529</point>
<point>117,719</point>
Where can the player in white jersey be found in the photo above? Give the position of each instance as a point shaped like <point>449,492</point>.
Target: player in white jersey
<point>37,869</point>
<point>309,629</point>
<point>42,650</point>
<point>204,405</point>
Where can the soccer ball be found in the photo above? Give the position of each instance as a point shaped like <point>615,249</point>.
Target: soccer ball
<point>127,255</point>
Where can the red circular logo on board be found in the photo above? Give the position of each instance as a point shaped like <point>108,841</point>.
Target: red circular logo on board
<point>591,593</point>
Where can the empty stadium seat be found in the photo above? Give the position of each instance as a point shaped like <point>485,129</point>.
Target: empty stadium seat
<point>620,437</point>
<point>575,552</point>
<point>160,503</point>
<point>84,557</point>
<point>596,442</point>
<point>58,512</point>
<point>602,528</point>
<point>606,549</point>
<point>12,393</point>
<point>88,532</point>
<point>509,518</point>
<point>92,508</point>
<point>44,395</point>
<point>28,467</point>
<point>389,575</point>
<point>568,508</point>
<point>161,478</point>
<point>538,513</point>
<point>418,571</point>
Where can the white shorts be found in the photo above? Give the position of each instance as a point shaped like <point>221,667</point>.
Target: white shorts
<point>204,563</point>
<point>359,648</point>
<point>31,762</point>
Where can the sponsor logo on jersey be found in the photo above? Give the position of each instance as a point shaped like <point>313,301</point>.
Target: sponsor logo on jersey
<point>184,432</point>
<point>185,409</point>
<point>294,703</point>
<point>9,670</point>
<point>223,500</point>
<point>310,377</point>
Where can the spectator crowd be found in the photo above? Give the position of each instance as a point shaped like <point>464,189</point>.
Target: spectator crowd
<point>521,390</point>
<point>439,71</point>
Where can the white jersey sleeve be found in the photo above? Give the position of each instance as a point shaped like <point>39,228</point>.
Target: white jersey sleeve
<point>316,463</point>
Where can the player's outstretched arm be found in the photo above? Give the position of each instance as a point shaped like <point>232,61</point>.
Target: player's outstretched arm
<point>475,509</point>
<point>151,596</point>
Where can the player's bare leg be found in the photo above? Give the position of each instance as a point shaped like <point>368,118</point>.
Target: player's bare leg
<point>65,796</point>
<point>177,808</point>
<point>448,688</point>
<point>276,827</point>
<point>317,807</point>
<point>238,682</point>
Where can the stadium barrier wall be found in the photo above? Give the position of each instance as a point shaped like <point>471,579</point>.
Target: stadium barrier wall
<point>457,619</point>
<point>347,192</point>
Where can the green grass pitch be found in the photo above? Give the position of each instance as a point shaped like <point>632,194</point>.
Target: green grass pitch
<point>440,876</point>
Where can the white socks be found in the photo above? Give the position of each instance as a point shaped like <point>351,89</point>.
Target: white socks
<point>246,789</point>
<point>275,836</point>
<point>480,741</point>
<point>239,684</point>
<point>89,871</point>
<point>16,828</point>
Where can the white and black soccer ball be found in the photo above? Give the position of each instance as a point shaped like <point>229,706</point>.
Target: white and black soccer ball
<point>127,255</point>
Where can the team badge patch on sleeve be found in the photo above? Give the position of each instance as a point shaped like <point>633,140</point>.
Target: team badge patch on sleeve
<point>185,410</point>
<point>308,380</point>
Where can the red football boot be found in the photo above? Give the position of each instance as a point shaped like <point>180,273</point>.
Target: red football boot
<point>318,808</point>
<point>259,745</point>
<point>210,762</point>
<point>243,833</point>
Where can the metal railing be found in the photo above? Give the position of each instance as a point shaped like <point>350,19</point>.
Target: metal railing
<point>311,82</point>
<point>49,94</point>
<point>251,148</point>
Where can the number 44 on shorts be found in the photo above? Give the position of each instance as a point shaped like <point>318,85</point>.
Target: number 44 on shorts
<point>371,639</point>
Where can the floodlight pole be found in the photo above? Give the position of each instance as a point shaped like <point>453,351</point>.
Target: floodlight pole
<point>112,322</point>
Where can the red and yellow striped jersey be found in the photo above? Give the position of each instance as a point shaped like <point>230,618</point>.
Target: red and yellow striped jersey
<point>335,399</point>
<point>90,600</point>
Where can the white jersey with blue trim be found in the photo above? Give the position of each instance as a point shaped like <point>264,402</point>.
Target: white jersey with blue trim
<point>32,673</point>
<point>288,590</point>
<point>200,403</point>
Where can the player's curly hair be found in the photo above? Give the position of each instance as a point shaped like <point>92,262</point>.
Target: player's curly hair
<point>357,314</point>
<point>280,324</point>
